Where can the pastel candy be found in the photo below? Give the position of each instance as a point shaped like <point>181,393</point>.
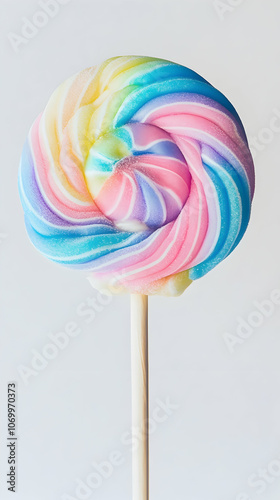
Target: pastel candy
<point>139,172</point>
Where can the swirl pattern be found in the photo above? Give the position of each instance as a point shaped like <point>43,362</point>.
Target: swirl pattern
<point>139,172</point>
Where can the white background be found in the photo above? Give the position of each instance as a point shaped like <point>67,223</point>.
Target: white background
<point>74,412</point>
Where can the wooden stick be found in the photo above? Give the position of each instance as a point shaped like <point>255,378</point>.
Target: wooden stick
<point>140,395</point>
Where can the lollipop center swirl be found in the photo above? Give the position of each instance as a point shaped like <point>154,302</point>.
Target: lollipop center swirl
<point>138,177</point>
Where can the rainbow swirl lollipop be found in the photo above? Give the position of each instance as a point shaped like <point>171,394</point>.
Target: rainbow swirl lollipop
<point>139,172</point>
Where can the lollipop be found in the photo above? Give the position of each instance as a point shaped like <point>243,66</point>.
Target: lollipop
<point>138,171</point>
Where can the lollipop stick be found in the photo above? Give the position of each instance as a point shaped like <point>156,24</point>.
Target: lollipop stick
<point>140,395</point>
